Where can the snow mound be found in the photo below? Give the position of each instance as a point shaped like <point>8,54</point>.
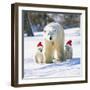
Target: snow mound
<point>69,68</point>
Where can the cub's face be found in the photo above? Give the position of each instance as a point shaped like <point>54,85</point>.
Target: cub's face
<point>68,48</point>
<point>50,33</point>
<point>40,49</point>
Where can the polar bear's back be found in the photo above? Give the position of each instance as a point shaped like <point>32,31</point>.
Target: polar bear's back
<point>54,25</point>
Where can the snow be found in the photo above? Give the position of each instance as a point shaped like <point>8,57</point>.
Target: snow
<point>69,68</point>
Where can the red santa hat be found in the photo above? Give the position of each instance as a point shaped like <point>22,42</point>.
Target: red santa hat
<point>39,44</point>
<point>69,42</point>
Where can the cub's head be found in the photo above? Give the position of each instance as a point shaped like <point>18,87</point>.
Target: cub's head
<point>51,31</point>
<point>39,47</point>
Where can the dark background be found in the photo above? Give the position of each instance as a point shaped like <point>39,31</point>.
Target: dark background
<point>34,21</point>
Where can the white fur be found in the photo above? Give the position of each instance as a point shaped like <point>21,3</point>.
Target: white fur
<point>68,52</point>
<point>53,42</point>
<point>39,55</point>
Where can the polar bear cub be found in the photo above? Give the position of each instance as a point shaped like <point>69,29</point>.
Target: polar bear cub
<point>68,50</point>
<point>53,42</point>
<point>39,54</point>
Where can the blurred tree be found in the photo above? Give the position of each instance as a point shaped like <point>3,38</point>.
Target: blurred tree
<point>72,20</point>
<point>57,17</point>
<point>27,26</point>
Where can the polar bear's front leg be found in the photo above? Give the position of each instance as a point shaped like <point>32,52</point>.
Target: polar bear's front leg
<point>47,57</point>
<point>59,55</point>
<point>48,52</point>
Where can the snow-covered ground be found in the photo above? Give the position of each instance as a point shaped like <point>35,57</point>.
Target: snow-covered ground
<point>69,68</point>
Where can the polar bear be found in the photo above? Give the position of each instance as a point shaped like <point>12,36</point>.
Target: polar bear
<point>68,52</point>
<point>39,54</point>
<point>53,42</point>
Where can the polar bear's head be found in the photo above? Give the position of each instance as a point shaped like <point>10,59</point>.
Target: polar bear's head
<point>51,31</point>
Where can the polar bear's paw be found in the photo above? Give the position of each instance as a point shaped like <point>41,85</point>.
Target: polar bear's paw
<point>56,61</point>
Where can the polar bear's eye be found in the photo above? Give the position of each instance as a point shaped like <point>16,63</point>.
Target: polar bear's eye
<point>55,30</point>
<point>44,31</point>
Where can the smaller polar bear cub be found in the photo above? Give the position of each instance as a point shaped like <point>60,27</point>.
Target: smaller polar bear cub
<point>39,54</point>
<point>68,50</point>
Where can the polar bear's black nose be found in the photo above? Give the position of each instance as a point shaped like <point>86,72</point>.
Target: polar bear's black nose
<point>50,38</point>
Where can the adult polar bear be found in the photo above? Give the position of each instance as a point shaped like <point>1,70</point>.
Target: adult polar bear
<point>53,42</point>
